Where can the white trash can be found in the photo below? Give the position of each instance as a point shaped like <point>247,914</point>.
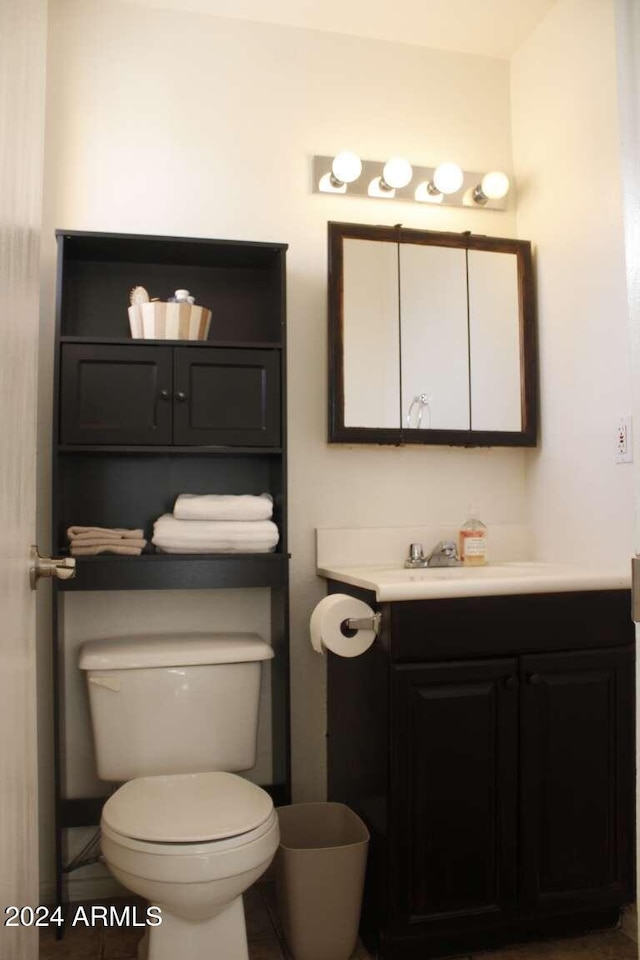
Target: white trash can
<point>320,867</point>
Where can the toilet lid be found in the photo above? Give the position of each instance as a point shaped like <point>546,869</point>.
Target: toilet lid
<point>187,808</point>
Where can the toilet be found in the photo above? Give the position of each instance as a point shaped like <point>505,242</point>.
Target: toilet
<point>174,720</point>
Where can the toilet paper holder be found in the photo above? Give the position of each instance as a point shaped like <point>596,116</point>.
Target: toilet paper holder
<point>352,624</point>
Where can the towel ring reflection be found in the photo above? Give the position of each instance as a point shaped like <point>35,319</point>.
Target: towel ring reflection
<point>422,400</point>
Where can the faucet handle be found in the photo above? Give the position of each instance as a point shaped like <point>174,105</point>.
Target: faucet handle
<point>444,554</point>
<point>416,552</point>
<point>449,548</point>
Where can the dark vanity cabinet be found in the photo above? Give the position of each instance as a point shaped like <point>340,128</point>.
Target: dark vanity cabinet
<point>137,422</point>
<point>489,745</point>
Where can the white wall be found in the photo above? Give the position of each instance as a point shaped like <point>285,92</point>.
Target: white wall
<point>567,163</point>
<point>193,125</point>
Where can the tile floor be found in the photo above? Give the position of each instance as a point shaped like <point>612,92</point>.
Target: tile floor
<point>265,939</point>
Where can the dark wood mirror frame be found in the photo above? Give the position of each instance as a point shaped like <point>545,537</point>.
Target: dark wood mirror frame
<point>340,433</point>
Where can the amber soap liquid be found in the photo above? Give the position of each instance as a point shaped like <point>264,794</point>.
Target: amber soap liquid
<point>472,543</point>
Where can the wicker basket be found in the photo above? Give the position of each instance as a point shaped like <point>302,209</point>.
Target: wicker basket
<point>160,320</point>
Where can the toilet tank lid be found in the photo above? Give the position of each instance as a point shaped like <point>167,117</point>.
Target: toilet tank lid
<point>172,650</point>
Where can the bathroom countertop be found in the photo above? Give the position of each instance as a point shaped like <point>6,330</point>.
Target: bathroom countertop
<point>494,579</point>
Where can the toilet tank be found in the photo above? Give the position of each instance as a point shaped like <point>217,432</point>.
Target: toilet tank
<point>178,703</point>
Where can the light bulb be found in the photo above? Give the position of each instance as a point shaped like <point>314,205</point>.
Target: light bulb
<point>346,167</point>
<point>397,173</point>
<point>494,186</point>
<point>448,177</point>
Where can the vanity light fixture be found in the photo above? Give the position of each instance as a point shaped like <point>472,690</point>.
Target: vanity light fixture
<point>396,173</point>
<point>396,179</point>
<point>346,167</point>
<point>493,186</point>
<point>447,178</point>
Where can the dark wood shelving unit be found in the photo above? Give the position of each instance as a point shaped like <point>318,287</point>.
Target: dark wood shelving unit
<point>136,422</point>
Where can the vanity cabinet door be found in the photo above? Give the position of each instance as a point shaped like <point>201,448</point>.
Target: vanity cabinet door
<point>453,796</point>
<point>226,397</point>
<point>115,394</point>
<point>577,779</point>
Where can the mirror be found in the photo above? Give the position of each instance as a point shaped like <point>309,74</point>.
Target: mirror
<point>431,338</point>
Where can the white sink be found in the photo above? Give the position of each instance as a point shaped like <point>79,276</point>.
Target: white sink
<point>515,577</point>
<point>520,568</point>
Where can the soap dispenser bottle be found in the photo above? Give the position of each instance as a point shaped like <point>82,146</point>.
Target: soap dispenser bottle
<point>473,541</point>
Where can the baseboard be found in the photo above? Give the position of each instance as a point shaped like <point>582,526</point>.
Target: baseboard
<point>79,889</point>
<point>629,922</point>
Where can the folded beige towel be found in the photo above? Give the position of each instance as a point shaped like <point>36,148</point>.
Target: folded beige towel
<point>115,533</point>
<point>114,546</point>
<point>99,540</point>
<point>217,506</point>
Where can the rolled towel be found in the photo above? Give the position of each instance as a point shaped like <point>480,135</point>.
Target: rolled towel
<point>214,536</point>
<point>216,506</point>
<point>112,533</point>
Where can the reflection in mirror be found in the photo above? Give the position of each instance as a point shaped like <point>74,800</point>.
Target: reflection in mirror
<point>494,335</point>
<point>434,333</point>
<point>371,340</point>
<point>432,338</point>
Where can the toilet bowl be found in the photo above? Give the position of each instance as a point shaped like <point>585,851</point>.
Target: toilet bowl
<point>191,844</point>
<point>174,720</point>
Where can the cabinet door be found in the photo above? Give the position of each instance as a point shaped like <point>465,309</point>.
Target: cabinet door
<point>577,779</point>
<point>452,845</point>
<point>115,394</point>
<point>227,397</point>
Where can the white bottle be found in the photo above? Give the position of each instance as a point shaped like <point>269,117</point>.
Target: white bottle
<point>472,545</point>
<point>182,296</point>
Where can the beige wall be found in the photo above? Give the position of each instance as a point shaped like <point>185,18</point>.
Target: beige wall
<point>567,162</point>
<point>193,125</point>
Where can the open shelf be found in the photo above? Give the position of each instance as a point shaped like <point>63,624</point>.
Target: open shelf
<point>178,571</point>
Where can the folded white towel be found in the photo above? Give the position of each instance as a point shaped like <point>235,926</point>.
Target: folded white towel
<point>220,546</point>
<point>216,506</point>
<point>214,536</point>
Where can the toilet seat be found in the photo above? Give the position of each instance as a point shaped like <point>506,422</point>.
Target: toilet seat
<point>187,809</point>
<point>190,862</point>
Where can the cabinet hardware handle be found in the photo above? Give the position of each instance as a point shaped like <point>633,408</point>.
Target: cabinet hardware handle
<point>165,395</point>
<point>511,683</point>
<point>536,680</point>
<point>180,395</point>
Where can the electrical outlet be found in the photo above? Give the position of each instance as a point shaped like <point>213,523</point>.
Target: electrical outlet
<point>624,450</point>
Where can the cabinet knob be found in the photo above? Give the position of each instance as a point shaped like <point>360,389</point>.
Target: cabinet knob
<point>511,683</point>
<point>181,395</point>
<point>536,680</point>
<point>165,395</point>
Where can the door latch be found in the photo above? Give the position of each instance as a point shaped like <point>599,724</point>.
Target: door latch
<point>64,568</point>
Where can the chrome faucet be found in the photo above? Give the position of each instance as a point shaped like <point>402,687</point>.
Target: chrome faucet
<point>444,554</point>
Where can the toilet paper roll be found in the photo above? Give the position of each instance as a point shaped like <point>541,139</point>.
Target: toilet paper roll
<point>327,619</point>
